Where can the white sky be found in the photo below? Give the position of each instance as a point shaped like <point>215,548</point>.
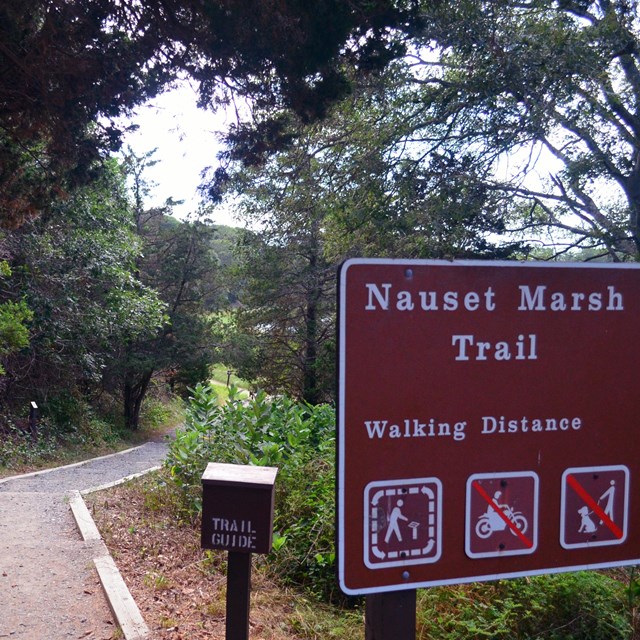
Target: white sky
<point>186,141</point>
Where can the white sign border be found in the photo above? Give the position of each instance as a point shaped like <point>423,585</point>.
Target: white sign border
<point>340,486</point>
<point>399,483</point>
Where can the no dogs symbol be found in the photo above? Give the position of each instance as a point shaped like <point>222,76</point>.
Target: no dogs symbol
<point>594,508</point>
<point>403,522</point>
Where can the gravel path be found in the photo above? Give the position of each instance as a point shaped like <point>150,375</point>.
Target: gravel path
<point>48,586</point>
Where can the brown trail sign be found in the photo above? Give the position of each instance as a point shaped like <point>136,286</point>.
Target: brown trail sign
<point>487,421</point>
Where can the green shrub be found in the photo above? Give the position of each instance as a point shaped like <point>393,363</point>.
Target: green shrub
<point>69,428</point>
<point>297,438</point>
<point>53,443</point>
<point>65,410</point>
<point>18,448</point>
<point>161,412</point>
<point>14,318</point>
<point>262,431</point>
<point>304,522</point>
<point>571,606</point>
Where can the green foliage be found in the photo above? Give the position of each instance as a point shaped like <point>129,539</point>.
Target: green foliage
<point>69,426</point>
<point>572,606</point>
<point>283,53</point>
<point>263,431</point>
<point>280,335</point>
<point>14,333</point>
<point>79,281</point>
<point>305,516</point>
<point>297,438</point>
<point>190,452</point>
<point>161,412</point>
<point>502,91</point>
<point>179,265</point>
<point>313,620</point>
<point>14,318</point>
<point>17,446</point>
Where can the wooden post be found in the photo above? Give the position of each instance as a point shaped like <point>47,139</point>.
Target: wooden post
<point>391,616</point>
<point>238,595</point>
<point>237,517</point>
<point>33,420</point>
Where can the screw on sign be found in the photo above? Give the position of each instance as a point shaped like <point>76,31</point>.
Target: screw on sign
<point>594,507</point>
<point>402,522</point>
<point>501,514</point>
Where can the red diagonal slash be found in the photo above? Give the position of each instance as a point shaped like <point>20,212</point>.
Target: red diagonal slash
<point>594,506</point>
<point>478,487</point>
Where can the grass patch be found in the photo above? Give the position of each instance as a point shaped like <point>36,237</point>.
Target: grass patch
<point>222,378</point>
<point>585,605</point>
<point>313,620</point>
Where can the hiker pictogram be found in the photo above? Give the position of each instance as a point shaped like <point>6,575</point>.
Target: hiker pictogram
<point>594,506</point>
<point>403,522</point>
<point>393,528</point>
<point>609,496</point>
<point>501,514</point>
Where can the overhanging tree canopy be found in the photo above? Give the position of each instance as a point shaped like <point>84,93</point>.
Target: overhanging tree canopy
<point>502,89</point>
<point>66,65</point>
<point>527,111</point>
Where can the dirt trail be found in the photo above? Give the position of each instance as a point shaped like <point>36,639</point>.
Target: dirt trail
<point>48,586</point>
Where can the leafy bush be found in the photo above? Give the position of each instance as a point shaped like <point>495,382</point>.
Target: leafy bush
<point>68,428</point>
<point>262,431</point>
<point>297,438</point>
<point>572,606</point>
<point>14,317</point>
<point>161,412</point>
<point>19,449</point>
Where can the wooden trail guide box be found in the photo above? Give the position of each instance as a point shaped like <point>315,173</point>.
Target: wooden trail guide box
<point>237,507</point>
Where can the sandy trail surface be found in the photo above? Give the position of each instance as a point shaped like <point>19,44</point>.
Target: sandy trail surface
<point>49,588</point>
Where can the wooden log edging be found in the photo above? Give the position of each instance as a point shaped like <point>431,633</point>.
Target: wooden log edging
<point>121,602</point>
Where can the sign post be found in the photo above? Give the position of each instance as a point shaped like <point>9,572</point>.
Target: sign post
<point>33,420</point>
<point>237,516</point>
<point>391,616</point>
<point>487,421</point>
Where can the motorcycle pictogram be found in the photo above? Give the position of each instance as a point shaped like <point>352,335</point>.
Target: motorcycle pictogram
<point>491,521</point>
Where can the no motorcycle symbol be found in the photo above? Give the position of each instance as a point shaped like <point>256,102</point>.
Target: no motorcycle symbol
<point>501,514</point>
<point>403,522</point>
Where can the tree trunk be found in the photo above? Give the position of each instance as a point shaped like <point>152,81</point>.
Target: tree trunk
<point>632,189</point>
<point>134,393</point>
<point>310,389</point>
